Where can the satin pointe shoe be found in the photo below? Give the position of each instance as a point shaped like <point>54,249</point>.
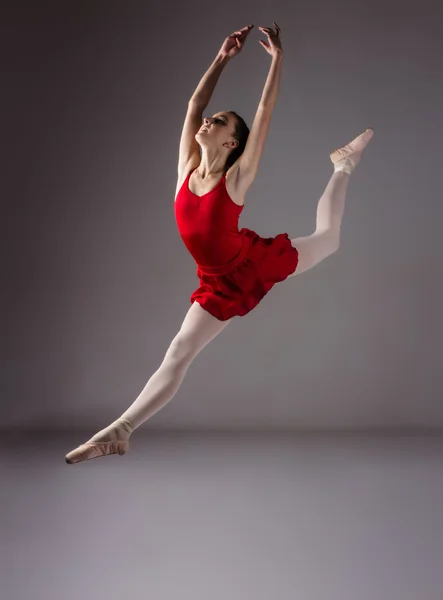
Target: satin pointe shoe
<point>96,449</point>
<point>347,158</point>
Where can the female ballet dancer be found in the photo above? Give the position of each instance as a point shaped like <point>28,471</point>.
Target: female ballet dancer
<point>218,161</point>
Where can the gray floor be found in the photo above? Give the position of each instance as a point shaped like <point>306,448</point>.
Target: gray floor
<point>215,516</point>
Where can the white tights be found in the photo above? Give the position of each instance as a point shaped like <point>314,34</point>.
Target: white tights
<point>199,327</point>
<point>326,238</point>
<point>197,330</point>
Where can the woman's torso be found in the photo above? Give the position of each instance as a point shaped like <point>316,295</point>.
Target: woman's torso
<point>207,218</point>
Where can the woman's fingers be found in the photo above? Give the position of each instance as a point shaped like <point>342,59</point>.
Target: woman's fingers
<point>273,35</point>
<point>244,31</point>
<point>268,35</point>
<point>241,33</point>
<point>270,31</point>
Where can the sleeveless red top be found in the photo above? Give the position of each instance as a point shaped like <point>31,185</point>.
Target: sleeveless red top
<point>208,224</point>
<point>236,268</point>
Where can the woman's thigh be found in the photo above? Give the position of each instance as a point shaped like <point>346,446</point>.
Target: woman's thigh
<point>198,329</point>
<point>314,248</point>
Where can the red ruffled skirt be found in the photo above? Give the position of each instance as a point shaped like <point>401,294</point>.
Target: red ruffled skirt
<point>236,288</point>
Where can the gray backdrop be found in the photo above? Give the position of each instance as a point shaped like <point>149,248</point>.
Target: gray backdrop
<point>96,283</point>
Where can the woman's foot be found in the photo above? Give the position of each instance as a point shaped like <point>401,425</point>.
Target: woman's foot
<point>347,158</point>
<point>114,439</point>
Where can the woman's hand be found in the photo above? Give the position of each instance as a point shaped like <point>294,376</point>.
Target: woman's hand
<point>274,47</point>
<point>234,42</point>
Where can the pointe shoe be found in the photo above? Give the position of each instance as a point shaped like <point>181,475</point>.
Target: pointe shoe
<point>91,450</point>
<point>347,158</point>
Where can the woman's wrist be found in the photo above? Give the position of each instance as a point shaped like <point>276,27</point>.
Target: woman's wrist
<point>222,59</point>
<point>278,55</point>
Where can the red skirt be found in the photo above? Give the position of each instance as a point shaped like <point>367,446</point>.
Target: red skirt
<point>234,289</point>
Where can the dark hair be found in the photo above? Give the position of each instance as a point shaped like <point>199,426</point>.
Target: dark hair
<point>241,134</point>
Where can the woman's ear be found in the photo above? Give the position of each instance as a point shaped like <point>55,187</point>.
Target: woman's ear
<point>232,144</point>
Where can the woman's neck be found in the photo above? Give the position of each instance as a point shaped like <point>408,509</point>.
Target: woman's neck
<point>211,166</point>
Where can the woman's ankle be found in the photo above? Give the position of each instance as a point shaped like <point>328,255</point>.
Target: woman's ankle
<point>125,424</point>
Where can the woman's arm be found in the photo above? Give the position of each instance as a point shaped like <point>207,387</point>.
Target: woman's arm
<point>270,91</point>
<point>189,151</point>
<point>249,161</point>
<point>206,87</point>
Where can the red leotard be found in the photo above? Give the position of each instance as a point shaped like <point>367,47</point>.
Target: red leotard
<point>236,268</point>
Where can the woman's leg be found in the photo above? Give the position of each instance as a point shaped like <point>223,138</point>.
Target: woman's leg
<point>314,248</point>
<point>326,238</point>
<point>197,330</point>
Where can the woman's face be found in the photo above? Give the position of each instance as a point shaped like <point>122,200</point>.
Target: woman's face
<point>218,131</point>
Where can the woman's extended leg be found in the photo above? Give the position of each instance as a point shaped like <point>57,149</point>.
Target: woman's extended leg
<point>197,330</point>
<point>314,248</point>
<point>326,238</point>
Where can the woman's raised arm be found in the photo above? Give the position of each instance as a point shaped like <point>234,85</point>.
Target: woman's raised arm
<point>249,161</point>
<point>189,153</point>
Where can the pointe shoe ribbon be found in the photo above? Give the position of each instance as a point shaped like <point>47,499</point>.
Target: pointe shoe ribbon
<point>347,158</point>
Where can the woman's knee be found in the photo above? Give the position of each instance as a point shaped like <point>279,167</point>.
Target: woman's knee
<point>198,329</point>
<point>182,349</point>
<point>315,248</point>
